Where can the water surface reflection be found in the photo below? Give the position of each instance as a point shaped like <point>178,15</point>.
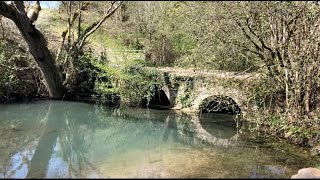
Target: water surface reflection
<point>56,139</point>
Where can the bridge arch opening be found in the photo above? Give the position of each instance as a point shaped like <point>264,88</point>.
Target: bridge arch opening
<point>220,116</point>
<point>219,104</point>
<point>159,100</point>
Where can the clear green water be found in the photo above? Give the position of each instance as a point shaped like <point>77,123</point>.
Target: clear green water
<point>59,139</point>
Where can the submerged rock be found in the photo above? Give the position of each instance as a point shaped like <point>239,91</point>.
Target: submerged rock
<point>307,173</point>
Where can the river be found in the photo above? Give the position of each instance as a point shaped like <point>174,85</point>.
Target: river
<point>61,139</point>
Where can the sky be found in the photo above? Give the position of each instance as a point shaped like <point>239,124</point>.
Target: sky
<point>49,4</point>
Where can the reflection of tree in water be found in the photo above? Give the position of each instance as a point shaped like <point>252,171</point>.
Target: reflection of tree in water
<point>77,137</point>
<point>20,132</point>
<point>18,135</point>
<point>42,154</point>
<point>84,131</point>
<point>93,129</point>
<point>185,128</point>
<point>170,129</point>
<point>81,136</point>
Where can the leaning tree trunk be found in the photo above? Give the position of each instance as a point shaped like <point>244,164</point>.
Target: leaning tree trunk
<point>39,50</point>
<point>37,46</point>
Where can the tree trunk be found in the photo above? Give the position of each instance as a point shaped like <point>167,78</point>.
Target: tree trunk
<point>15,10</point>
<point>37,44</point>
<point>39,50</point>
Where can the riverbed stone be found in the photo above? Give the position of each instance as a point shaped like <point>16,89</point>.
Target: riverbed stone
<point>307,173</point>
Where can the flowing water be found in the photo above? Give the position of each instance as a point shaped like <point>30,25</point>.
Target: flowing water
<point>60,139</point>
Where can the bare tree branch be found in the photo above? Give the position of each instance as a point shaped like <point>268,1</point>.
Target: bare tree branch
<point>94,26</point>
<point>70,24</point>
<point>249,37</point>
<point>258,37</point>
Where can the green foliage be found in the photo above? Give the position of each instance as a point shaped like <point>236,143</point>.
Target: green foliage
<point>276,121</point>
<point>260,90</point>
<point>186,34</point>
<point>102,37</point>
<point>185,100</point>
<point>15,84</point>
<point>130,82</point>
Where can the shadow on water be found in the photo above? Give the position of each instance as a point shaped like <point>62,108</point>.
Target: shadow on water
<point>56,139</point>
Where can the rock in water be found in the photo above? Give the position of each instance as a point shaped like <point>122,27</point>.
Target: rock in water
<point>307,173</point>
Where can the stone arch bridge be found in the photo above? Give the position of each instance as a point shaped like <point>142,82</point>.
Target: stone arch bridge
<point>195,90</point>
